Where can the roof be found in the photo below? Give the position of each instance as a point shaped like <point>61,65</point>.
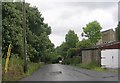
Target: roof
<point>107,30</point>
<point>112,45</point>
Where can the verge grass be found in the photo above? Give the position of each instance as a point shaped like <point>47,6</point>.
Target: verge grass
<point>15,69</point>
<point>94,66</point>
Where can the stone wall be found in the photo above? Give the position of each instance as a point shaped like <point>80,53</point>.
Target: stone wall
<point>89,56</point>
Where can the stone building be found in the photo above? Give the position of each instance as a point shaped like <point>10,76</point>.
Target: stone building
<point>91,55</point>
<point>108,36</point>
<point>95,54</point>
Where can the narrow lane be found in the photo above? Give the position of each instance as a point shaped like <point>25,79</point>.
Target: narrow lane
<point>58,72</point>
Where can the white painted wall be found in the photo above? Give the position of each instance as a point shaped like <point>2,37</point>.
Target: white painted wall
<point>109,58</point>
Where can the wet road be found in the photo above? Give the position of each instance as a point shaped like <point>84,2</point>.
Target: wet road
<point>58,72</point>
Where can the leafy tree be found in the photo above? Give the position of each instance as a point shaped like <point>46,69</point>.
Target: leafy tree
<point>11,29</point>
<point>62,49</point>
<point>71,39</point>
<point>92,31</point>
<point>73,52</point>
<point>38,42</point>
<point>117,32</point>
<point>84,43</point>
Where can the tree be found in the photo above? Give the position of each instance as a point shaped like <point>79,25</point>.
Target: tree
<point>117,32</point>
<point>71,39</point>
<point>65,49</point>
<point>73,52</point>
<point>38,42</point>
<point>11,29</point>
<point>62,49</point>
<point>84,43</point>
<point>92,31</point>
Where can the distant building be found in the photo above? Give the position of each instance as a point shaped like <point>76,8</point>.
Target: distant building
<point>108,36</point>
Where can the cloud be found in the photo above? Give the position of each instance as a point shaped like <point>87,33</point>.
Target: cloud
<point>119,11</point>
<point>57,39</point>
<point>63,16</point>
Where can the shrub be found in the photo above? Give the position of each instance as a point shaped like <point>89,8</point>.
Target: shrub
<point>72,52</point>
<point>72,61</point>
<point>15,69</point>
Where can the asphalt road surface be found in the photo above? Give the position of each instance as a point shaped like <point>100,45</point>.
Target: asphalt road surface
<point>58,72</point>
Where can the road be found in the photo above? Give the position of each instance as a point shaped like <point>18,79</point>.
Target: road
<point>58,72</point>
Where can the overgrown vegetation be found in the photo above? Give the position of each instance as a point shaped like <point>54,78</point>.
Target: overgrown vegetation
<point>91,65</point>
<point>72,61</point>
<point>32,67</point>
<point>39,46</point>
<point>72,46</point>
<point>38,42</point>
<point>15,69</point>
<point>95,67</point>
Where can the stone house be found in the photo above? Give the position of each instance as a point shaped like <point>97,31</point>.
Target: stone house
<point>108,36</point>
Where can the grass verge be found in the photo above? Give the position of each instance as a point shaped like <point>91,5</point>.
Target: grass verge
<point>15,69</point>
<point>94,66</point>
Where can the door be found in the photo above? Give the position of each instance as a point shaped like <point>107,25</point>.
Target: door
<point>109,58</point>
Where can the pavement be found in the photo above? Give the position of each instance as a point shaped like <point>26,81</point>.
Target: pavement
<point>58,72</point>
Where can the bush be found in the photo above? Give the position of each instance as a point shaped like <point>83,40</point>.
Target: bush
<point>33,67</point>
<point>15,69</point>
<point>72,61</point>
<point>72,52</point>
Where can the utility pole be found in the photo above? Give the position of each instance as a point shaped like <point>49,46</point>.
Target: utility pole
<point>24,30</point>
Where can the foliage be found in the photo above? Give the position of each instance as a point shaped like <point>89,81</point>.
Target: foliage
<point>71,39</point>
<point>92,31</point>
<point>73,52</point>
<point>84,43</point>
<point>91,65</point>
<point>38,42</point>
<point>32,67</point>
<point>11,29</point>
<point>72,61</point>
<point>118,31</point>
<point>15,69</point>
<point>62,49</point>
<point>99,69</point>
<point>55,57</point>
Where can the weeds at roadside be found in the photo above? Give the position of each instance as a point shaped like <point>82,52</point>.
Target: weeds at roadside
<point>15,69</point>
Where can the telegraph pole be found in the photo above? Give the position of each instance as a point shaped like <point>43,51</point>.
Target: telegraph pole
<point>25,41</point>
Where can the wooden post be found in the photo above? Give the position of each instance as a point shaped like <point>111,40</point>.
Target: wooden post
<point>7,59</point>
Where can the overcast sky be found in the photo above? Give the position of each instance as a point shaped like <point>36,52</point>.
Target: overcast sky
<point>65,15</point>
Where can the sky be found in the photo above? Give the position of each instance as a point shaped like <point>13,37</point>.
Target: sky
<point>64,15</point>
